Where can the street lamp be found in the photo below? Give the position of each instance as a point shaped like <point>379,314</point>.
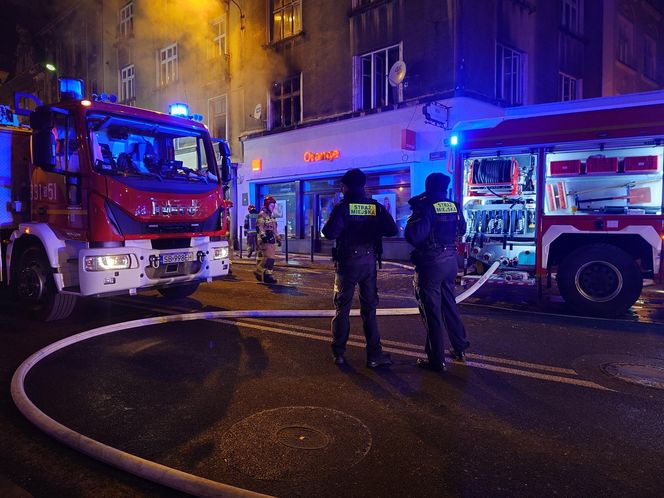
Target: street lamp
<point>50,67</point>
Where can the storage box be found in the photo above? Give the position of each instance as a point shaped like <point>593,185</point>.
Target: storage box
<point>601,165</point>
<point>643,164</point>
<point>564,168</point>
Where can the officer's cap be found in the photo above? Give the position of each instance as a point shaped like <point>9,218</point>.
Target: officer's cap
<point>436,182</point>
<point>354,179</point>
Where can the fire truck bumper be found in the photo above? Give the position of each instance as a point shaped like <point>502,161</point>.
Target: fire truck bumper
<point>114,270</point>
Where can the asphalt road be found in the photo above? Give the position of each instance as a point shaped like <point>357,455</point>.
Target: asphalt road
<point>537,410</point>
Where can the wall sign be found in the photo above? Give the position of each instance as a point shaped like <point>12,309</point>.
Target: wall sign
<point>328,155</point>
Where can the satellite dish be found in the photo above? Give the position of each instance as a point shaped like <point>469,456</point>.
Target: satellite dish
<point>258,112</point>
<point>397,73</point>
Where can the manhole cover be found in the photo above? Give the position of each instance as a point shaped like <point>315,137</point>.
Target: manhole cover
<point>295,443</point>
<point>636,373</point>
<point>304,438</point>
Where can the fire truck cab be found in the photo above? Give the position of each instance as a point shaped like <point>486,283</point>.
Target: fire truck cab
<point>104,199</point>
<point>573,193</point>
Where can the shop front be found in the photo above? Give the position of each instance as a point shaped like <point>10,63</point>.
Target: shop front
<point>302,170</point>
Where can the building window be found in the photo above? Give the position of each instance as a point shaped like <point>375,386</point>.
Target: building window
<point>127,20</point>
<point>218,37</point>
<point>286,102</point>
<point>572,16</point>
<point>570,87</point>
<point>217,114</point>
<point>286,18</point>
<point>127,84</point>
<point>625,41</point>
<point>168,64</point>
<point>374,89</point>
<point>509,75</point>
<point>649,58</point>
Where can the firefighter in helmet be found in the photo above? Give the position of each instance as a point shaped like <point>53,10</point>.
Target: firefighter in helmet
<point>268,238</point>
<point>250,229</point>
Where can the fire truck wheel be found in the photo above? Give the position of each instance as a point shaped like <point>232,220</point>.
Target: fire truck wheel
<point>179,291</point>
<point>600,279</point>
<point>35,289</point>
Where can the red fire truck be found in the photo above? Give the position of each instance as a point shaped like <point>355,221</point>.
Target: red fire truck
<point>101,199</point>
<point>573,193</point>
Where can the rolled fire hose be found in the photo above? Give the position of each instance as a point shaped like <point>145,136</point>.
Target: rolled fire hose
<point>147,469</point>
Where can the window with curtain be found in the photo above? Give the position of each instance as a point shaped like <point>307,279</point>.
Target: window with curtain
<point>168,64</point>
<point>286,19</point>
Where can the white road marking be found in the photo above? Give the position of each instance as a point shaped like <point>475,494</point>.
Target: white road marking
<point>406,345</point>
<point>416,354</point>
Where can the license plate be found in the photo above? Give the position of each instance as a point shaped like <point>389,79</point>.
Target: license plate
<point>178,257</point>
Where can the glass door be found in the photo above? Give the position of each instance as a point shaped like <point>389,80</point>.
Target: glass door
<point>325,203</point>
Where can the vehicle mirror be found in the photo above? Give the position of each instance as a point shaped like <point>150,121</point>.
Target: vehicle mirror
<point>43,149</point>
<point>225,153</point>
<point>225,169</point>
<point>42,119</point>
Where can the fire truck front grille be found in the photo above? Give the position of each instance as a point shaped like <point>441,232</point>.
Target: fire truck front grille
<point>173,227</point>
<point>170,270</point>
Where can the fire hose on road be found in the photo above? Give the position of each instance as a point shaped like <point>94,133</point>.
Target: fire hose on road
<point>141,467</point>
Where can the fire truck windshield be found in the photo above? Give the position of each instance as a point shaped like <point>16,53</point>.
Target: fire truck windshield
<point>149,149</point>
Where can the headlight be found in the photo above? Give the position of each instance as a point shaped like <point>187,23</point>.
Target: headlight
<point>220,252</point>
<point>110,262</point>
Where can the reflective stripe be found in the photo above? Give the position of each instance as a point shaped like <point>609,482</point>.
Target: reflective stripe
<point>444,207</point>
<point>362,209</point>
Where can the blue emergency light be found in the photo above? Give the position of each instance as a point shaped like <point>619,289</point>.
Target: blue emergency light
<point>179,109</point>
<point>454,140</point>
<point>71,89</point>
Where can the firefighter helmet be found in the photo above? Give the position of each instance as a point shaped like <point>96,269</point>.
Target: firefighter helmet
<point>251,208</point>
<point>269,200</point>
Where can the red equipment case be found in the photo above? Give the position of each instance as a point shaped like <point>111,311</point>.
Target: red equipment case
<point>601,165</point>
<point>564,168</point>
<point>642,164</point>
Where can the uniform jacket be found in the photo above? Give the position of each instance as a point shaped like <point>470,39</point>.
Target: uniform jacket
<point>266,227</point>
<point>357,224</point>
<point>433,227</point>
<point>250,223</point>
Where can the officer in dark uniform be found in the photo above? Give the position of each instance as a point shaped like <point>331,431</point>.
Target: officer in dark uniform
<point>433,229</point>
<point>357,224</point>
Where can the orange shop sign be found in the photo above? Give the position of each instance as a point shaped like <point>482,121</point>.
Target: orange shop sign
<point>328,155</point>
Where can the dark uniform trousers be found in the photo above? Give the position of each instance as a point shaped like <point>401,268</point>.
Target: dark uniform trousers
<point>349,274</point>
<point>434,289</point>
